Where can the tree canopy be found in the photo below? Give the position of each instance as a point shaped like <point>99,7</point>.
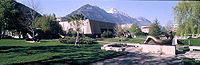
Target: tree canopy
<point>48,26</point>
<point>155,28</point>
<point>135,29</point>
<point>187,15</point>
<point>76,21</point>
<point>9,14</point>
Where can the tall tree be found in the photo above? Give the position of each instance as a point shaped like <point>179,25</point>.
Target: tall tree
<point>76,21</point>
<point>8,16</point>
<point>154,28</point>
<point>30,15</point>
<point>187,14</point>
<point>49,26</point>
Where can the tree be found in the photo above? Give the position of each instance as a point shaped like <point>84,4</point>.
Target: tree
<point>76,21</point>
<point>188,18</point>
<point>49,26</point>
<point>107,34</point>
<point>118,31</point>
<point>135,29</point>
<point>154,28</point>
<point>29,15</point>
<point>8,16</point>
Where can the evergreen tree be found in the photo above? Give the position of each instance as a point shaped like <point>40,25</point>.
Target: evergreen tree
<point>154,28</point>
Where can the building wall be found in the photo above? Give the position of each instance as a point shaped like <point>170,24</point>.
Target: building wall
<point>90,26</point>
<point>145,29</point>
<point>173,27</point>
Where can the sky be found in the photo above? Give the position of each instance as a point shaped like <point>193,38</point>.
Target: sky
<point>162,10</point>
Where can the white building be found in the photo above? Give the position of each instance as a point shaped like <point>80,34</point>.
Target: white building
<point>126,26</point>
<point>61,19</point>
<point>173,27</point>
<point>145,29</point>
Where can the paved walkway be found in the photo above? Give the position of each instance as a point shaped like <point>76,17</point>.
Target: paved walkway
<point>134,57</point>
<point>137,58</point>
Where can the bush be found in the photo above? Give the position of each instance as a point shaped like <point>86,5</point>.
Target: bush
<point>72,40</point>
<point>107,34</point>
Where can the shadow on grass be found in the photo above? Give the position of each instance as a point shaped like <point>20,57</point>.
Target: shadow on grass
<point>64,54</point>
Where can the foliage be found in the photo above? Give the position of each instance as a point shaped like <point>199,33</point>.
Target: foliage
<point>76,21</point>
<point>15,16</point>
<point>135,29</point>
<point>187,16</point>
<point>107,34</point>
<point>51,52</point>
<point>9,14</point>
<point>72,40</point>
<point>154,28</point>
<point>50,27</point>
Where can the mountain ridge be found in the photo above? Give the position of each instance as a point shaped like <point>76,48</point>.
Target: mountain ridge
<point>113,16</point>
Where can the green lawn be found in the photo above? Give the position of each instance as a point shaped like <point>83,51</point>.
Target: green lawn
<point>193,42</point>
<point>126,40</point>
<point>51,52</point>
<point>188,61</point>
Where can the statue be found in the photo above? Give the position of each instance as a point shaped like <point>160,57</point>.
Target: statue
<point>32,38</point>
<point>167,41</point>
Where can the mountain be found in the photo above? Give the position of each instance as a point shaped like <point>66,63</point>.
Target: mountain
<point>113,15</point>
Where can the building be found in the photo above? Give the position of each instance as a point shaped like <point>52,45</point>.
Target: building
<point>90,27</point>
<point>126,26</point>
<point>145,29</point>
<point>173,27</point>
<point>60,19</point>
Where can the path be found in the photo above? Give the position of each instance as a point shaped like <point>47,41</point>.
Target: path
<point>134,57</point>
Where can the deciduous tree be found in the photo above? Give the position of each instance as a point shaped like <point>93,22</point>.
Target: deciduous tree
<point>187,14</point>
<point>76,21</point>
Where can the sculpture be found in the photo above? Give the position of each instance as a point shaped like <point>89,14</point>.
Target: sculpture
<point>34,38</point>
<point>167,41</point>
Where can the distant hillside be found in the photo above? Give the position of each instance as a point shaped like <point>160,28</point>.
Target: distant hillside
<point>113,16</point>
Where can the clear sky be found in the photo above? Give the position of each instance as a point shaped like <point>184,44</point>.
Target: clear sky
<point>162,10</point>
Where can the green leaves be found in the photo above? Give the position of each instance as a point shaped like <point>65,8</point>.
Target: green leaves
<point>76,17</point>
<point>187,14</point>
<point>135,29</point>
<point>154,28</point>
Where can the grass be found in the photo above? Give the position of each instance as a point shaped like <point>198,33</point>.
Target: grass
<point>188,61</point>
<point>126,40</point>
<point>193,42</point>
<point>14,51</point>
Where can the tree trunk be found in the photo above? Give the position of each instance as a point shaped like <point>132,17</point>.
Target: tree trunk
<point>3,35</point>
<point>33,33</point>
<point>77,38</point>
<point>19,35</point>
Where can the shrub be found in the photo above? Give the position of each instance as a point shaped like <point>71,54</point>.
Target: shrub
<point>72,40</point>
<point>107,34</point>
